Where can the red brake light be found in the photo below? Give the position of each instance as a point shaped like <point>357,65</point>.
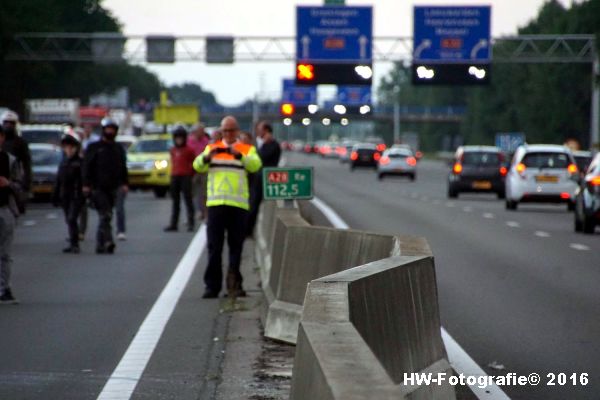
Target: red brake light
<point>503,171</point>
<point>457,169</point>
<point>419,154</point>
<point>385,160</point>
<point>565,195</point>
<point>377,156</point>
<point>381,147</point>
<point>411,161</point>
<point>354,156</point>
<point>521,168</point>
<point>572,168</point>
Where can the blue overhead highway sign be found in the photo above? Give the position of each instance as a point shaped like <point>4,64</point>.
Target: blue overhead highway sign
<point>298,95</point>
<point>353,95</point>
<point>334,34</point>
<point>452,34</point>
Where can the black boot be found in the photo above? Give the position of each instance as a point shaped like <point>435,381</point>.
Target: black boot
<point>171,228</point>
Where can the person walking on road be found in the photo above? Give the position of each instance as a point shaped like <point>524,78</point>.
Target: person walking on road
<point>11,177</point>
<point>87,137</point>
<point>105,172</point>
<point>198,141</point>
<point>227,162</point>
<point>68,191</point>
<point>182,172</point>
<point>270,153</point>
<point>18,147</point>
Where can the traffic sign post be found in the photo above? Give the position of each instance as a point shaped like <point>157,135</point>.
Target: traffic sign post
<point>451,45</point>
<point>289,183</point>
<point>298,95</point>
<point>334,38</point>
<point>354,95</point>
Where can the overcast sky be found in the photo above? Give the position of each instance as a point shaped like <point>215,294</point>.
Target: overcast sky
<point>234,83</point>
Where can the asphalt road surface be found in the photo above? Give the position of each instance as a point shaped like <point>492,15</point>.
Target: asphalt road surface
<point>516,288</point>
<point>78,313</point>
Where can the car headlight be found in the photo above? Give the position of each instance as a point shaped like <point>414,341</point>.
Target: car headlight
<point>161,164</point>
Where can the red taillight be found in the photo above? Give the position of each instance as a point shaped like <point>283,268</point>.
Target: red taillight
<point>381,147</point>
<point>572,168</point>
<point>521,168</point>
<point>419,154</point>
<point>354,156</point>
<point>565,195</point>
<point>325,150</point>
<point>376,156</point>
<point>385,160</point>
<point>503,171</point>
<point>457,169</point>
<point>411,161</point>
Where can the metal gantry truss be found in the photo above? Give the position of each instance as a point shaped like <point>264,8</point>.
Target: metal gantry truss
<point>108,47</point>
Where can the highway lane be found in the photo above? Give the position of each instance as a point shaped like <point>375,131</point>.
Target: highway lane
<point>518,288</point>
<point>79,313</point>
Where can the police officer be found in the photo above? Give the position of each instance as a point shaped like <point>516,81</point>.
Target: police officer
<point>105,172</point>
<point>227,161</point>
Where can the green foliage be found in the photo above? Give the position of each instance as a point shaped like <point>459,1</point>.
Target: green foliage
<point>191,93</point>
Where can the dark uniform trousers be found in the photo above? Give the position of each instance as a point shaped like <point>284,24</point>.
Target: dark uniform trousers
<point>221,220</point>
<point>72,210</point>
<point>179,185</point>
<point>104,201</point>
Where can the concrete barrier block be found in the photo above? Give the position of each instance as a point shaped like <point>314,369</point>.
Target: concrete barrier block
<point>364,327</point>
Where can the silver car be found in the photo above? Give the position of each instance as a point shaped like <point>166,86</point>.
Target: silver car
<point>397,161</point>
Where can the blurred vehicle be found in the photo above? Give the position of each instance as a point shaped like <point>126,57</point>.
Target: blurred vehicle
<point>309,148</point>
<point>344,150</point>
<point>477,169</point>
<point>286,146</point>
<point>583,160</point>
<point>48,134</point>
<point>148,162</point>
<point>397,161</point>
<point>542,174</point>
<point>297,145</point>
<point>377,141</point>
<point>126,141</point>
<point>587,199</point>
<point>327,150</point>
<point>45,160</point>
<point>364,155</point>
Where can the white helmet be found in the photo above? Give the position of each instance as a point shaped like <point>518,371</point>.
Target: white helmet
<point>10,116</point>
<point>70,137</point>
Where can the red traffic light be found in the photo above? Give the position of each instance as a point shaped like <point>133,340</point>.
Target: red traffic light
<point>305,72</point>
<point>287,109</point>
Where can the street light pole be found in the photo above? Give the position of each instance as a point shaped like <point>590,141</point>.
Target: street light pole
<point>396,114</point>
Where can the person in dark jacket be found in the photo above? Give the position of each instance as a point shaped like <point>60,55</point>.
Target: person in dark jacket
<point>270,153</point>
<point>105,172</point>
<point>68,191</point>
<point>182,173</point>
<point>18,147</point>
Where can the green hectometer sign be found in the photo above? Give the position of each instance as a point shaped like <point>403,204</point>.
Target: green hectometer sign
<point>290,183</point>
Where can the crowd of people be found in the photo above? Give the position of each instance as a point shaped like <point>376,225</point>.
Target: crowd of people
<point>217,177</point>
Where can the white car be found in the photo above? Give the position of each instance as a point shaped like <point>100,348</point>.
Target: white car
<point>541,174</point>
<point>397,161</point>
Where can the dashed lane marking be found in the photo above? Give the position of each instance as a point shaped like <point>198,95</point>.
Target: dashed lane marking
<point>488,216</point>
<point>513,224</point>
<point>579,246</point>
<point>542,234</point>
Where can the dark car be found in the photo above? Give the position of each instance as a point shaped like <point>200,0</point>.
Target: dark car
<point>587,199</point>
<point>45,159</point>
<point>477,169</point>
<point>364,155</point>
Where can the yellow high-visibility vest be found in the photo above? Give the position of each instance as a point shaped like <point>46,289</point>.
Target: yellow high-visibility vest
<point>227,183</point>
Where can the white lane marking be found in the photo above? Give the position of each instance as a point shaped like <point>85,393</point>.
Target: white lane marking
<point>488,216</point>
<point>579,246</point>
<point>125,377</point>
<point>513,224</point>
<point>449,204</point>
<point>542,234</point>
<point>331,215</point>
<point>29,222</point>
<point>458,357</point>
<point>467,209</point>
<point>51,216</point>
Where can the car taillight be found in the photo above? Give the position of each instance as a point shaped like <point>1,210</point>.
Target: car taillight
<point>376,156</point>
<point>572,168</point>
<point>419,154</point>
<point>521,168</point>
<point>354,156</point>
<point>457,169</point>
<point>381,147</point>
<point>565,196</point>
<point>385,160</point>
<point>503,171</point>
<point>593,182</point>
<point>411,161</point>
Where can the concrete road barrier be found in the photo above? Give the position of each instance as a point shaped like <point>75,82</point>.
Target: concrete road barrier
<point>299,253</point>
<point>363,328</point>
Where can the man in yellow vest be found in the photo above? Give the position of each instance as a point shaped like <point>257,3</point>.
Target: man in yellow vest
<point>228,162</point>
